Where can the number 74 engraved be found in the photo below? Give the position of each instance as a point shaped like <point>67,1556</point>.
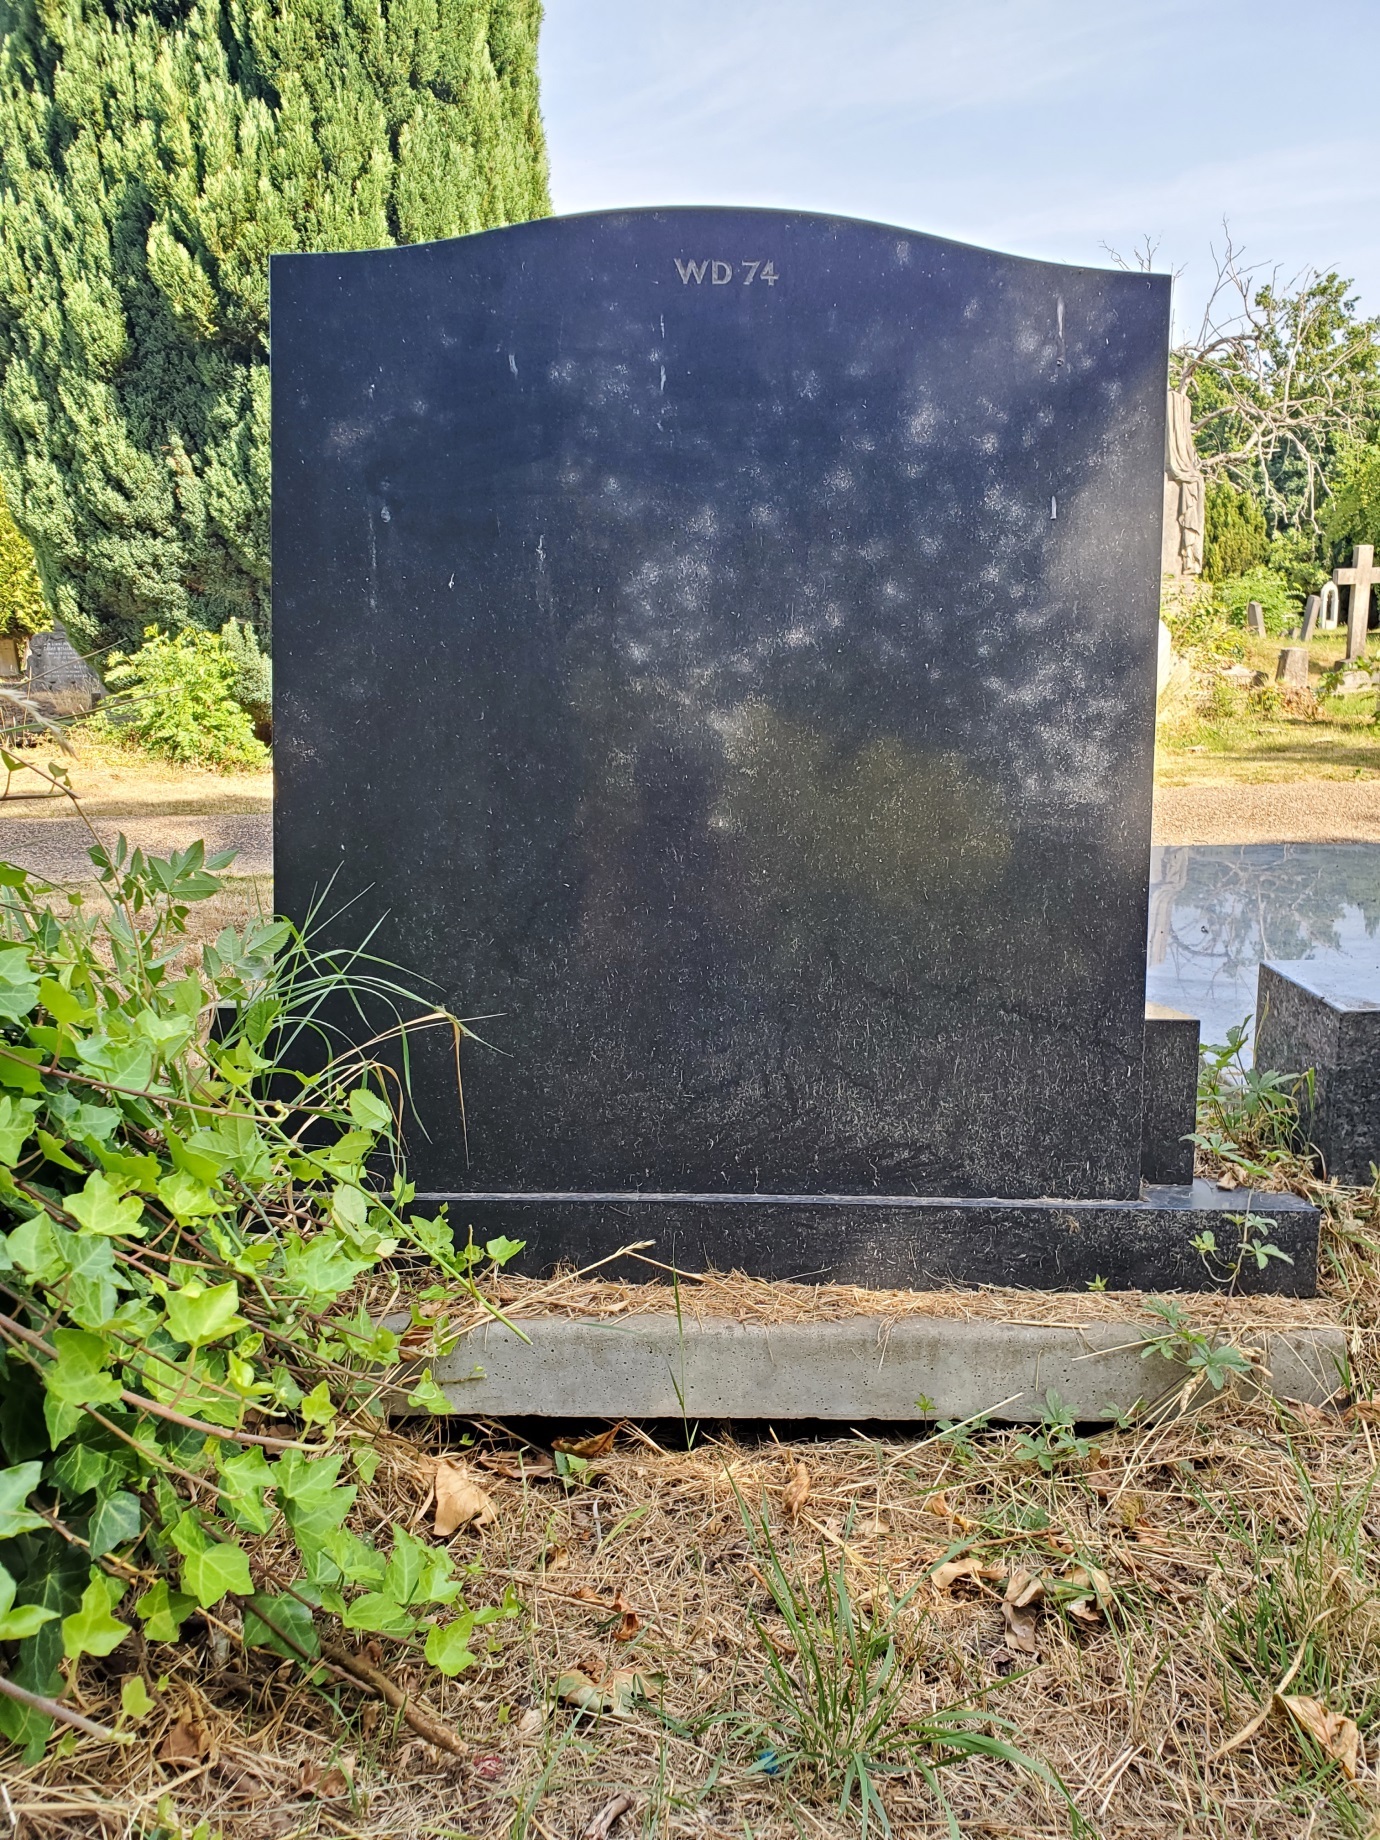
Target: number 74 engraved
<point>721,273</point>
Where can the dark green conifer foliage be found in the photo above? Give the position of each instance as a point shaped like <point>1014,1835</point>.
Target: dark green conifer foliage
<point>151,158</point>
<point>1234,538</point>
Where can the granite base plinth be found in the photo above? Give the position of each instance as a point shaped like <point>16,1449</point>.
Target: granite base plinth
<point>885,1242</point>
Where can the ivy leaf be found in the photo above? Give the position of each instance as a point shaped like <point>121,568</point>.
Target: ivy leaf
<point>359,1562</point>
<point>320,1268</point>
<point>185,1197</point>
<point>291,1616</point>
<point>126,1064</point>
<point>380,1614</point>
<point>368,1110</point>
<point>27,1620</point>
<point>100,1208</point>
<point>126,1171</point>
<point>204,1167</point>
<point>91,1629</point>
<point>19,1067</point>
<point>204,1313</point>
<point>217,1568</point>
<point>310,1494</point>
<point>33,1245</point>
<point>61,1005</point>
<point>16,1486</point>
<point>428,1397</point>
<point>53,1150</point>
<point>165,1034</point>
<point>236,1144</point>
<point>116,1519</point>
<point>448,1645</point>
<point>18,984</point>
<point>136,1702</point>
<point>503,1249</point>
<point>316,1407</point>
<point>78,1376</point>
<point>82,1468</point>
<point>163,1611</point>
<point>244,1481</point>
<point>16,1127</point>
<point>92,1294</point>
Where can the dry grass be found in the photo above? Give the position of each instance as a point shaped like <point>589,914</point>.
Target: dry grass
<point>115,782</point>
<point>1234,1544</point>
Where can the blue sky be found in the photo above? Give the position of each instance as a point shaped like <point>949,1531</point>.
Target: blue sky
<point>1047,127</point>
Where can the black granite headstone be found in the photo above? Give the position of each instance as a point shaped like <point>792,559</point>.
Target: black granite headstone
<point>723,645</point>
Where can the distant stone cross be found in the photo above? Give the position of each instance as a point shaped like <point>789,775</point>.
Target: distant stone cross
<point>1361,577</point>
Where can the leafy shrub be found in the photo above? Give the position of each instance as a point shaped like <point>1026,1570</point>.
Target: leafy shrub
<point>23,610</point>
<point>185,1395</point>
<point>1352,515</point>
<point>1198,625</point>
<point>1279,602</point>
<point>181,702</point>
<point>1293,554</point>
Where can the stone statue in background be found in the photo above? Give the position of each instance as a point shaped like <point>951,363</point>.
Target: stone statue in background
<point>1185,492</point>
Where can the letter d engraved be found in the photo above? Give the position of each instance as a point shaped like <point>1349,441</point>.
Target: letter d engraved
<point>686,269</point>
<point>723,274</point>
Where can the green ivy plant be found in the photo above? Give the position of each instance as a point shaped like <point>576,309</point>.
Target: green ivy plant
<point>184,1372</point>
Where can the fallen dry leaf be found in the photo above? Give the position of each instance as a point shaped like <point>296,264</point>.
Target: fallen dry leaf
<point>608,1817</point>
<point>588,1447</point>
<point>554,1559</point>
<point>460,1502</point>
<point>1022,1593</point>
<point>1368,1409</point>
<point>187,1741</point>
<point>1337,1737</point>
<point>944,1577</point>
<point>797,1492</point>
<point>325,1785</point>
<point>1227,1180</point>
<point>520,1465</point>
<point>531,1722</point>
<point>616,1694</point>
<point>631,1621</point>
<point>1098,1586</point>
<point>938,1505</point>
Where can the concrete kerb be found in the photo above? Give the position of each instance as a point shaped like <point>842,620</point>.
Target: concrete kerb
<point>865,1367</point>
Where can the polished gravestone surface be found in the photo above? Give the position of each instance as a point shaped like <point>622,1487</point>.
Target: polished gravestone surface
<point>720,648</point>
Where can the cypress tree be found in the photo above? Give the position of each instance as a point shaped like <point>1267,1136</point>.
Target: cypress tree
<point>23,610</point>
<point>1234,536</point>
<point>152,154</point>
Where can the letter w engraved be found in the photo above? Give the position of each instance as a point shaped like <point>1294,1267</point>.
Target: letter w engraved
<point>686,269</point>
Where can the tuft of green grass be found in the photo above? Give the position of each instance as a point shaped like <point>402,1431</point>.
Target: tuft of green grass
<point>837,1686</point>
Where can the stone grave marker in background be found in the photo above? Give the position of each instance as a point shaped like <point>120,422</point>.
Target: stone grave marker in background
<point>1292,667</point>
<point>1329,606</point>
<point>1310,618</point>
<point>1255,619</point>
<point>1360,578</point>
<point>58,680</point>
<point>719,648</point>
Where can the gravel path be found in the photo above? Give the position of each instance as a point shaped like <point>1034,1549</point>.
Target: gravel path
<point>1301,811</point>
<point>55,848</point>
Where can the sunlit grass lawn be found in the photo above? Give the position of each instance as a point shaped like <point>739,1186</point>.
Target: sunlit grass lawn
<point>1238,743</point>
